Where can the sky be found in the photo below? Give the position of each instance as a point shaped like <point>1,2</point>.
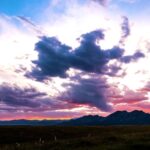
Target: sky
<point>62,59</point>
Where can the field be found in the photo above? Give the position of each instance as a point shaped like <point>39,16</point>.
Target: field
<point>75,138</point>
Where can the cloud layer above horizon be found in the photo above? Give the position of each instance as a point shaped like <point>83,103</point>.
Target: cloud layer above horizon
<point>66,61</point>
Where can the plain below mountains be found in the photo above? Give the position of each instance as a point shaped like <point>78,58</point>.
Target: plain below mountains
<point>117,118</point>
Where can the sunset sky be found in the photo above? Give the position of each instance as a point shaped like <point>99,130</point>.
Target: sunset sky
<point>62,59</point>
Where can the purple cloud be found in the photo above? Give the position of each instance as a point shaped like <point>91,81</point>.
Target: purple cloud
<point>91,91</point>
<point>15,96</point>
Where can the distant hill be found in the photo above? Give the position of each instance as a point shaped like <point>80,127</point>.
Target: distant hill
<point>31,122</point>
<point>84,121</point>
<point>117,118</point>
<point>127,118</point>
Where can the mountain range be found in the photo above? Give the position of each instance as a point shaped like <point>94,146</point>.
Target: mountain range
<point>117,118</point>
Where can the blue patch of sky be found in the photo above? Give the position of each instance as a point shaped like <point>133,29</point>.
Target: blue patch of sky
<point>28,8</point>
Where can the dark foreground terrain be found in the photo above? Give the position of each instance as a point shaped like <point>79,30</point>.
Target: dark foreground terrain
<point>75,138</point>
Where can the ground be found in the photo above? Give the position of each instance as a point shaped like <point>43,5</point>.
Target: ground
<point>75,138</point>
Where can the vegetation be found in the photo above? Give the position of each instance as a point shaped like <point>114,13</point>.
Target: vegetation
<point>75,138</point>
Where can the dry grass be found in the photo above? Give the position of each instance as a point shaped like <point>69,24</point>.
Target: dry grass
<point>75,138</point>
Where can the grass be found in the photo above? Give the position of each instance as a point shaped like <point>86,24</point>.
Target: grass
<point>75,138</point>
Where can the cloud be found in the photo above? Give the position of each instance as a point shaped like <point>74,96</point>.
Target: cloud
<point>129,97</point>
<point>28,102</point>
<point>129,58</point>
<point>88,56</point>
<point>52,58</point>
<point>145,89</point>
<point>143,105</point>
<point>55,58</point>
<point>30,25</point>
<point>91,91</point>
<point>125,26</point>
<point>92,37</point>
<point>56,61</point>
<point>15,96</point>
<point>28,99</point>
<point>101,2</point>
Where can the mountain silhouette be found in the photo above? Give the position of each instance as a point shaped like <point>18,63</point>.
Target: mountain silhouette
<point>117,118</point>
<point>89,120</point>
<point>127,118</point>
<point>30,122</point>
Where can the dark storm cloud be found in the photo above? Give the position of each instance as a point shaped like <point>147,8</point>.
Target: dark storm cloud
<point>88,56</point>
<point>92,37</point>
<point>91,91</point>
<point>114,53</point>
<point>15,96</point>
<point>52,58</point>
<point>55,58</point>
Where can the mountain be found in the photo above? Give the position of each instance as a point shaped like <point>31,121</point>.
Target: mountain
<point>89,120</point>
<point>117,118</point>
<point>127,118</point>
<point>31,122</point>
